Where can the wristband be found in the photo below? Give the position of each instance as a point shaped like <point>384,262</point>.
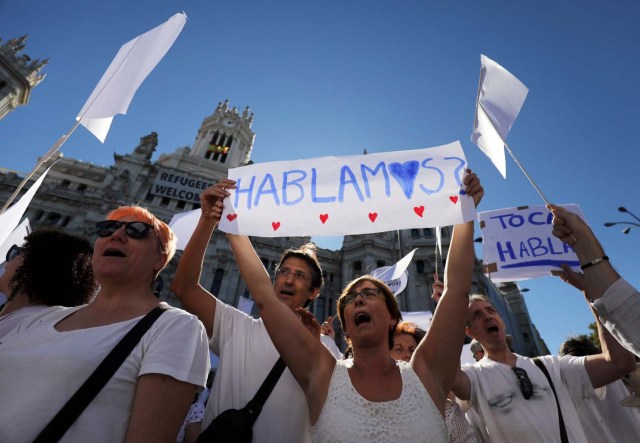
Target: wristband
<point>593,262</point>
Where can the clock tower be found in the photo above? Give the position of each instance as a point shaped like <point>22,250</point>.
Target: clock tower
<point>225,137</point>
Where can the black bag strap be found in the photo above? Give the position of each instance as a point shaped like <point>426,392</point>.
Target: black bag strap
<point>98,379</point>
<point>270,382</point>
<point>563,431</point>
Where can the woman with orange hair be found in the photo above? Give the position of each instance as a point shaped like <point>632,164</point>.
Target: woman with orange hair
<point>47,357</point>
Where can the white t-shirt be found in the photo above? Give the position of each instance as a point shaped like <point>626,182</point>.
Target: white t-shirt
<point>41,368</point>
<point>509,417</point>
<point>604,419</point>
<point>246,357</point>
<point>13,319</point>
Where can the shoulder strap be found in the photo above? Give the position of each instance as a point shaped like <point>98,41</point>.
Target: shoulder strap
<point>563,432</point>
<point>254,407</point>
<point>96,381</point>
<point>270,382</point>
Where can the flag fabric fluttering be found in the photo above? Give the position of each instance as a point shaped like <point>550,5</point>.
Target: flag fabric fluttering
<point>131,65</point>
<point>500,97</point>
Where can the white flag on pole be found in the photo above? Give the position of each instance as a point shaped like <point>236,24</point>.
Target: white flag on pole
<point>10,218</point>
<point>500,97</point>
<point>131,65</point>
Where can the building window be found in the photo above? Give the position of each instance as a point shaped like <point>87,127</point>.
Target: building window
<point>37,215</point>
<point>427,233</point>
<point>181,204</point>
<point>149,197</point>
<point>415,233</point>
<point>217,281</point>
<point>420,266</point>
<point>82,187</point>
<point>165,201</point>
<point>53,218</point>
<point>380,263</point>
<point>356,269</point>
<point>65,220</point>
<point>196,206</point>
<point>65,183</point>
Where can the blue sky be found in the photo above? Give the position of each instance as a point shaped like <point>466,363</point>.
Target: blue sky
<point>336,77</point>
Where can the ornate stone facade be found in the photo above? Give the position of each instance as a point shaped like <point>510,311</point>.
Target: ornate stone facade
<point>77,194</point>
<point>18,75</point>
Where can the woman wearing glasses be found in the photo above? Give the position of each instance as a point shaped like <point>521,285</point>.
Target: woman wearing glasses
<point>51,269</point>
<point>46,359</point>
<point>371,397</point>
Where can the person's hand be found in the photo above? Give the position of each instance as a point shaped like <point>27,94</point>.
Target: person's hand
<point>474,188</point>
<point>309,321</point>
<point>575,279</point>
<point>327,328</point>
<point>567,226</point>
<point>212,197</point>
<point>438,289</point>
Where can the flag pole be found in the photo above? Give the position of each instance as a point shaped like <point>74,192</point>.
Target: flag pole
<point>513,156</point>
<point>56,146</point>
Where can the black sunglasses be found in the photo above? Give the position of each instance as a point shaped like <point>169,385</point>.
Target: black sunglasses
<point>134,229</point>
<point>13,252</point>
<point>525,383</point>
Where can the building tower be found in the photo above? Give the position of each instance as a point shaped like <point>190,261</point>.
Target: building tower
<point>225,137</point>
<point>18,75</point>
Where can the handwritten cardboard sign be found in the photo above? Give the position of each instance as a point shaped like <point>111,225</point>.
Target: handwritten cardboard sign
<point>349,195</point>
<point>518,243</point>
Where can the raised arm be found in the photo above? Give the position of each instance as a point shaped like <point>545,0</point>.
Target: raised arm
<point>617,302</point>
<point>614,361</point>
<point>186,282</point>
<point>301,350</point>
<point>571,229</point>
<point>438,356</point>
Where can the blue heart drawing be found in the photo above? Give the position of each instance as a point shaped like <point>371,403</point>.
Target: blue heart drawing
<point>405,174</point>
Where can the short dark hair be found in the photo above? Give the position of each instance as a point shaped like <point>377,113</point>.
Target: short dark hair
<point>578,346</point>
<point>389,299</point>
<point>308,254</point>
<point>55,269</point>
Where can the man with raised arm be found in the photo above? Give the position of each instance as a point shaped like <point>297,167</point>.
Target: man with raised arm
<point>242,343</point>
<point>512,394</point>
<point>615,300</point>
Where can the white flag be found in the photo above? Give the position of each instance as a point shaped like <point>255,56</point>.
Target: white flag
<point>183,224</point>
<point>131,65</point>
<point>10,218</point>
<point>500,97</point>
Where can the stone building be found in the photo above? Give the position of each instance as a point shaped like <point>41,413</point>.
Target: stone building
<point>18,75</point>
<point>75,195</point>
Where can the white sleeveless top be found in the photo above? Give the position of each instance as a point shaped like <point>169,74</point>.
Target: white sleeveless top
<point>348,417</point>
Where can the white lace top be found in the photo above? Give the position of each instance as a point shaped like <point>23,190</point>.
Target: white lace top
<point>348,417</point>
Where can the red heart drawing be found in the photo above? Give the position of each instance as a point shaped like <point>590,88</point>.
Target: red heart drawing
<point>454,199</point>
<point>418,210</point>
<point>232,217</point>
<point>373,216</point>
<point>275,225</point>
<point>324,218</point>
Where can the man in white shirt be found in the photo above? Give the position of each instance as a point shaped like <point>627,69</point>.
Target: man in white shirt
<point>242,343</point>
<point>512,395</point>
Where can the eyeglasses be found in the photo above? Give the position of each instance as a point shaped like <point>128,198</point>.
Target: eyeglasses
<point>365,293</point>
<point>134,229</point>
<point>286,272</point>
<point>13,252</point>
<point>525,383</point>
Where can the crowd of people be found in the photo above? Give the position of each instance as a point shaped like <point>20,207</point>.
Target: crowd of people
<point>89,353</point>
